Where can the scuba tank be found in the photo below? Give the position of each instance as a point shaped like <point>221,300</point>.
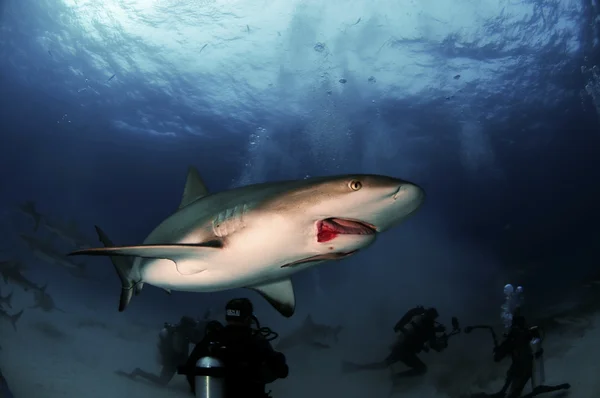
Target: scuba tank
<point>209,371</point>
<point>210,378</point>
<point>538,358</point>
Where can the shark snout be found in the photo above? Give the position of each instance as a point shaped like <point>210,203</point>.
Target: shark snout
<point>410,193</point>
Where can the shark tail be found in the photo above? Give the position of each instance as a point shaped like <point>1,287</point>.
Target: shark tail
<point>7,300</point>
<point>37,217</point>
<point>15,318</point>
<point>336,333</point>
<point>123,266</point>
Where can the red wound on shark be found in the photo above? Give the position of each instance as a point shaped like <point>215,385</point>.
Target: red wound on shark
<point>330,228</point>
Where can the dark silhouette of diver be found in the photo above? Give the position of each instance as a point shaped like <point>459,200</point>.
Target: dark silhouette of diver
<point>416,332</point>
<point>250,361</point>
<point>173,349</point>
<point>518,345</point>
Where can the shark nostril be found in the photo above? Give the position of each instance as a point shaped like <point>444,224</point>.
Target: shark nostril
<point>398,192</point>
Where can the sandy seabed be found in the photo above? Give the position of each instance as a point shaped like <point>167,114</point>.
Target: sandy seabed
<point>43,360</point>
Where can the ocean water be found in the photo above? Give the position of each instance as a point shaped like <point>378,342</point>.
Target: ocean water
<point>492,107</point>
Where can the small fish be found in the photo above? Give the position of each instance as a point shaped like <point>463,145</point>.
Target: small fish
<point>357,21</point>
<point>456,77</point>
<point>203,47</point>
<point>112,77</point>
<point>343,81</point>
<point>50,53</point>
<point>247,28</point>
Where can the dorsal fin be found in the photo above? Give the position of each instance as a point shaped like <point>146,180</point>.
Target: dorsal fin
<point>194,188</point>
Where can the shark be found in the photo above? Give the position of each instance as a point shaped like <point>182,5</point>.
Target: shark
<point>5,301</point>
<point>47,253</point>
<point>13,319</point>
<point>310,334</point>
<point>257,236</point>
<point>67,232</point>
<point>28,208</point>
<point>44,301</point>
<point>11,272</point>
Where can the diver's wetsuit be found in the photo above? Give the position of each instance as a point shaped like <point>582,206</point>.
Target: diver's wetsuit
<point>517,345</point>
<point>250,361</point>
<point>416,332</point>
<point>173,349</point>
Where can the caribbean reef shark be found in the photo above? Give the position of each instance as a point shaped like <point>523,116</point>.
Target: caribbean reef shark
<point>258,236</point>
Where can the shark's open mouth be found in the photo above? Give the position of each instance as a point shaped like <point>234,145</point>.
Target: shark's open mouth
<point>329,228</point>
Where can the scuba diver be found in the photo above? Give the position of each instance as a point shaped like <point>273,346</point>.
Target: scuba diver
<point>246,357</point>
<point>173,348</point>
<point>524,345</point>
<point>417,331</point>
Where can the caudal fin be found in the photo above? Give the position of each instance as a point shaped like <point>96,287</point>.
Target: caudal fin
<point>7,300</point>
<point>15,318</point>
<point>336,333</point>
<point>123,266</point>
<point>37,217</point>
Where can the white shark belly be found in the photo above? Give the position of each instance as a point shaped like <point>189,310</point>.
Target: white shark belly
<point>252,257</point>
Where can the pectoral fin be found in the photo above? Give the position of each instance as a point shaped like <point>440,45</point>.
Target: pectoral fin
<point>170,252</point>
<point>279,294</point>
<point>185,256</point>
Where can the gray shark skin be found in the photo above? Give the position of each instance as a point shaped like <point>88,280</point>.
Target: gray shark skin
<point>257,236</point>
<point>5,301</point>
<point>68,233</point>
<point>13,319</point>
<point>11,273</point>
<point>28,208</point>
<point>48,254</point>
<point>44,301</point>
<point>310,334</point>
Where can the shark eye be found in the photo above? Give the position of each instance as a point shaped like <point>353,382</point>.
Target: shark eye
<point>355,185</point>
